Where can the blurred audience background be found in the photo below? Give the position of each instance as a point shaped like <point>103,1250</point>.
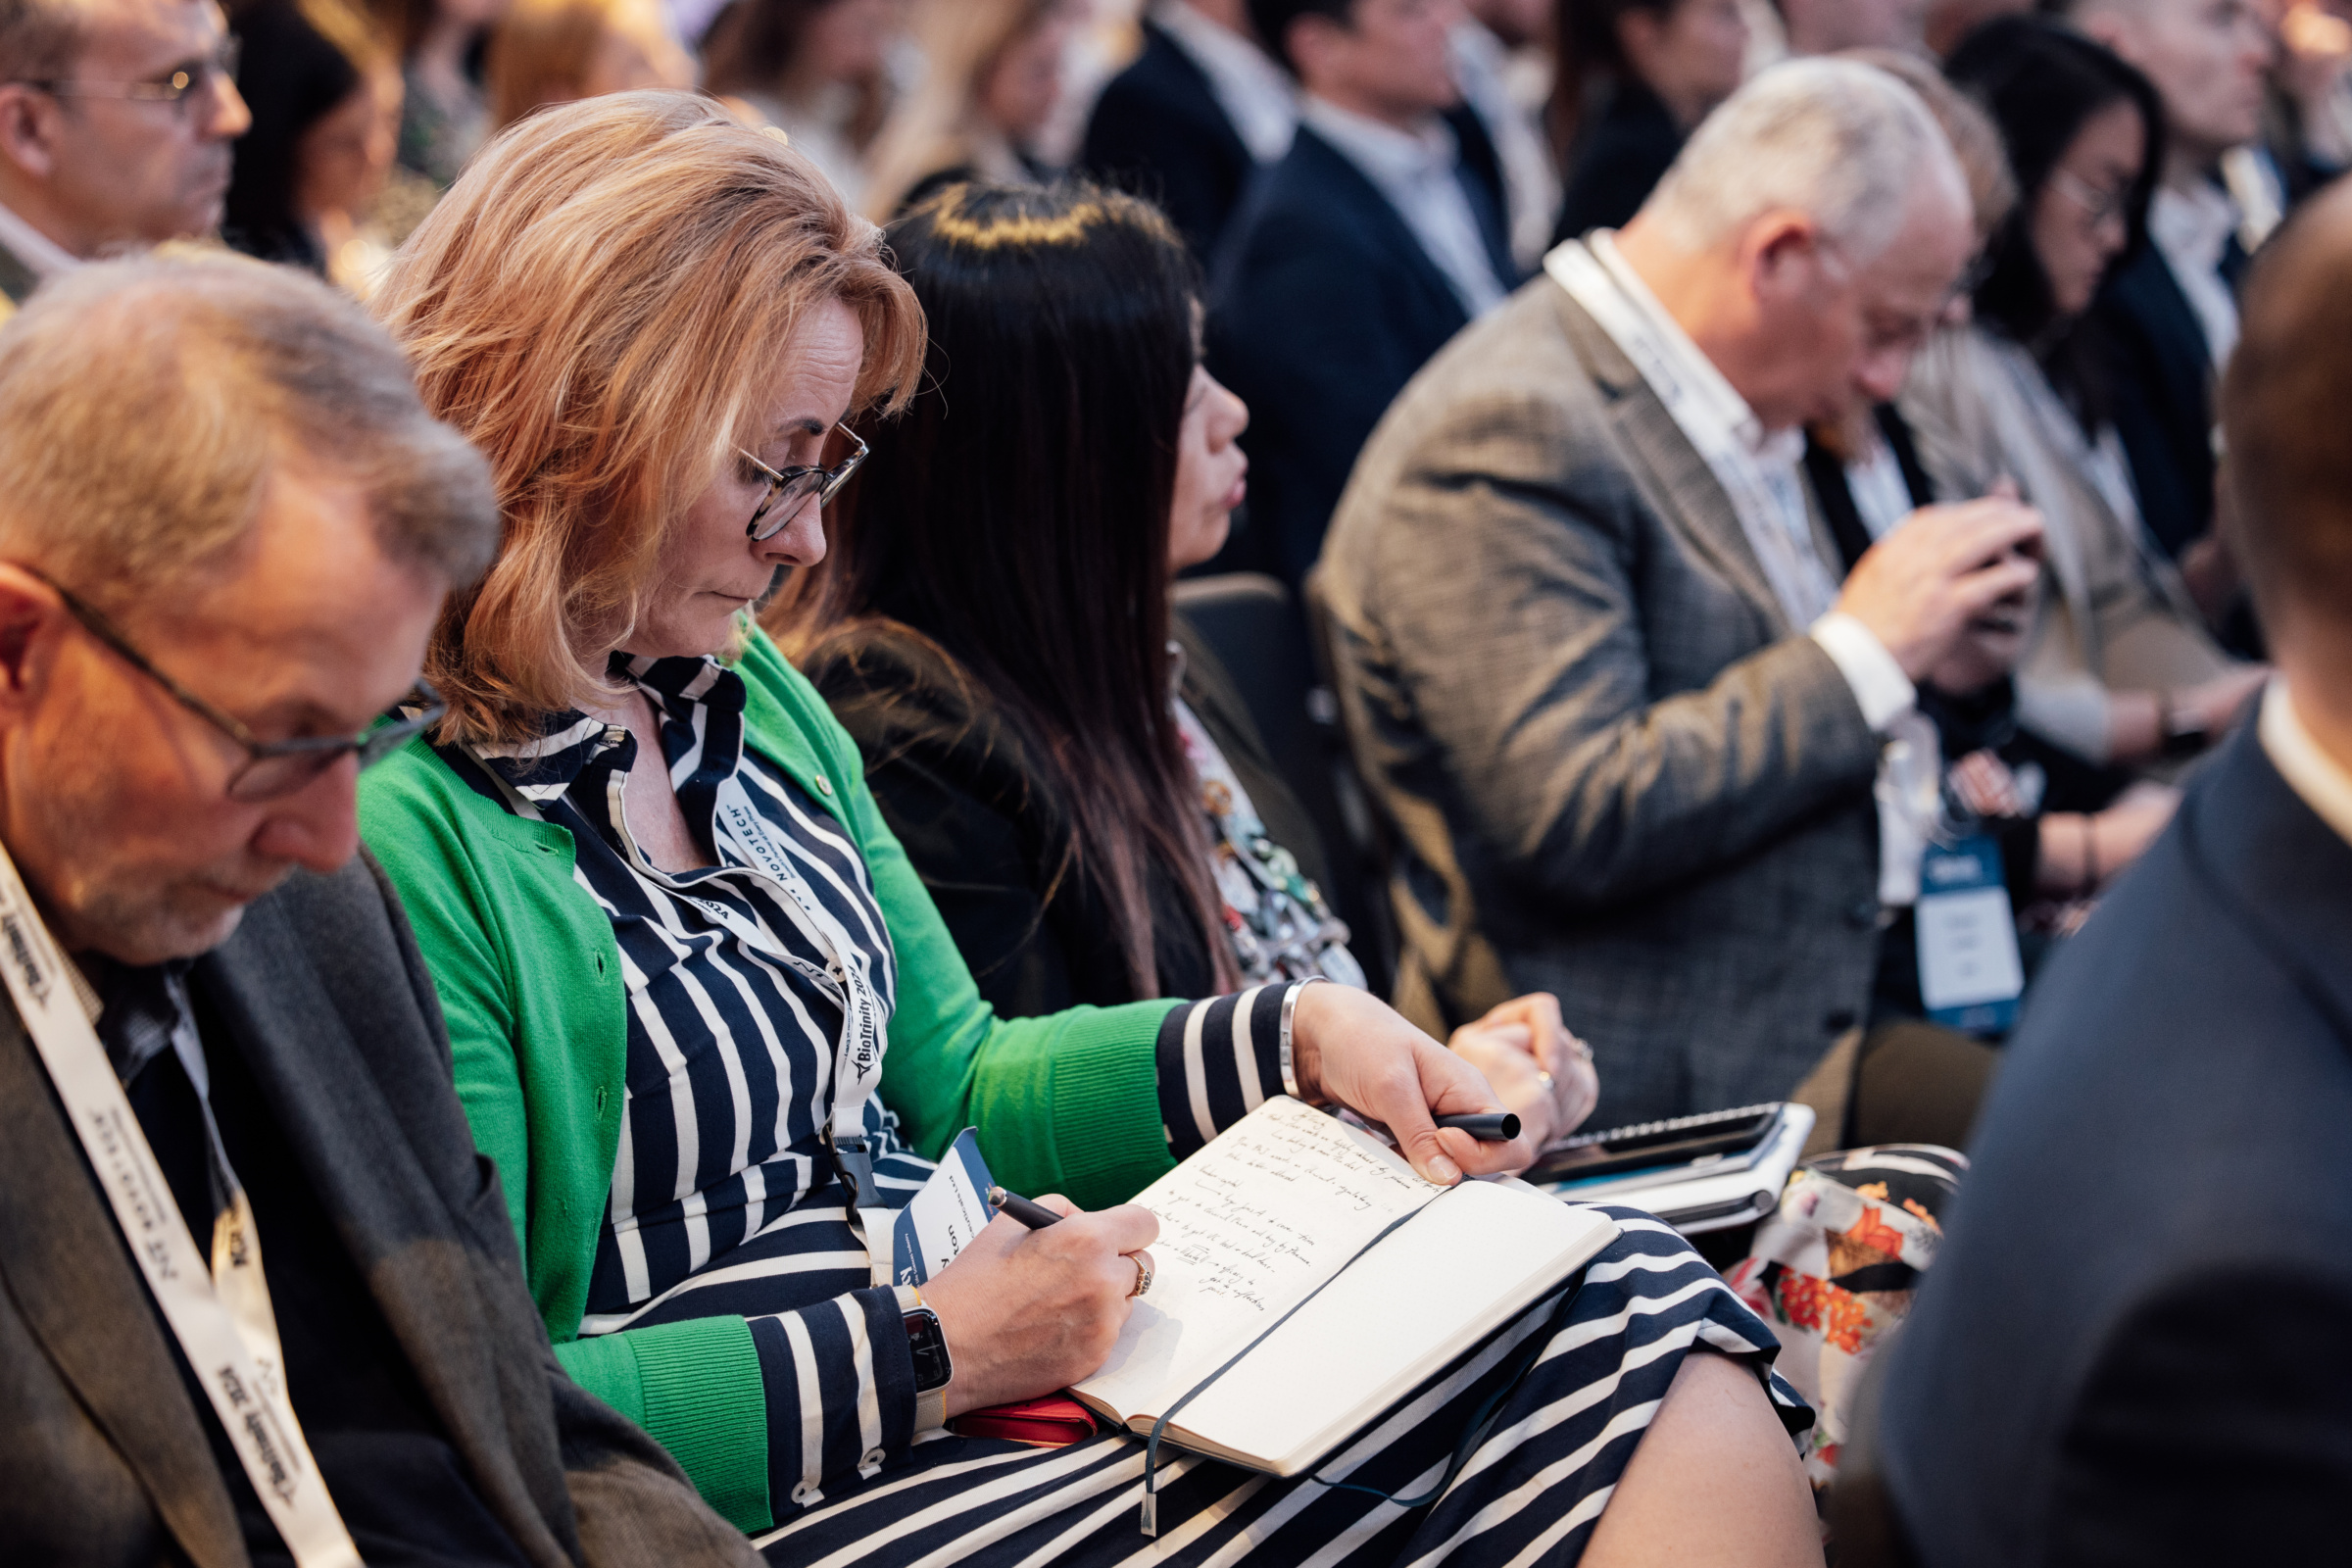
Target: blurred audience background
<point>547,52</point>
<point>992,77</point>
<point>826,72</point>
<point>326,105</point>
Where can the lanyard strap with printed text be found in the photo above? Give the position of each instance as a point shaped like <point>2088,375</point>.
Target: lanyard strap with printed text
<point>864,1015</point>
<point>221,1315</point>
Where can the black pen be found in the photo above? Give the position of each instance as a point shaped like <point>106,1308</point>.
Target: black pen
<point>1036,1216</point>
<point>1488,1127</point>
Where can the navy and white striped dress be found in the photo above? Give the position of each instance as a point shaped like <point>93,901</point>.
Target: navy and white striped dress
<point>724,1203</point>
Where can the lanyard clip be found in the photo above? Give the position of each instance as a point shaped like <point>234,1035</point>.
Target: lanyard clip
<point>854,1159</point>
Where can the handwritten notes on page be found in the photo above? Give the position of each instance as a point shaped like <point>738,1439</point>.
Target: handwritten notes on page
<point>1274,1205</point>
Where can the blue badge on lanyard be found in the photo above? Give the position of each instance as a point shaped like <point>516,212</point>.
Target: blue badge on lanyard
<point>1970,974</point>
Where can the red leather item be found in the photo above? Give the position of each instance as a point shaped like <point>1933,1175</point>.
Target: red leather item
<point>1053,1422</point>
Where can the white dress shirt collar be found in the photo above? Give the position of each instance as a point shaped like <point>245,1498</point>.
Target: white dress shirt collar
<point>2324,783</point>
<point>2193,229</point>
<point>42,255</point>
<point>1257,95</point>
<point>1415,171</point>
<point>1719,399</point>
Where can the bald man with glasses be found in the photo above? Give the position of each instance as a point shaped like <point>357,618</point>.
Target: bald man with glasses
<point>115,121</point>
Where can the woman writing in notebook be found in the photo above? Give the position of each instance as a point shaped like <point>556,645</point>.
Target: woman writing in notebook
<point>707,1019</point>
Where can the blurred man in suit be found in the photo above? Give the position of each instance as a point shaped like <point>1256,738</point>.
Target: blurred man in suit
<point>1193,120</point>
<point>1595,653</point>
<point>116,119</point>
<point>228,527</point>
<point>1377,238</point>
<point>2169,318</point>
<point>2149,1367</point>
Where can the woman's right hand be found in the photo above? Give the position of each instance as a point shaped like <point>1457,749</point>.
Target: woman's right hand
<point>1026,1313</point>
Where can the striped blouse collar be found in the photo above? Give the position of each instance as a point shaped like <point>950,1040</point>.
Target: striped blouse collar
<point>569,742</point>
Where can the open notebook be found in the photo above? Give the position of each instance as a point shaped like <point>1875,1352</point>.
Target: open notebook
<point>1280,1203</point>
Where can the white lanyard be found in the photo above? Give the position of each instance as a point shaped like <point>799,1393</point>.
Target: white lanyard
<point>221,1317</point>
<point>1770,508</point>
<point>864,1015</point>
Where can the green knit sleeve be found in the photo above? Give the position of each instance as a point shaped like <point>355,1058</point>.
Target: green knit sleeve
<point>452,905</point>
<point>696,1387</point>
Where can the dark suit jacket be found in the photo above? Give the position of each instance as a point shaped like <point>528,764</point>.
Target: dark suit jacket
<point>2134,1347</point>
<point>1615,770</point>
<point>103,1458</point>
<point>2160,383</point>
<point>961,788</point>
<point>1325,305</point>
<point>1158,131</point>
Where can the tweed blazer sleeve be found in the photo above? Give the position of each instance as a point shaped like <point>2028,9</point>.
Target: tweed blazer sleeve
<point>1559,598</point>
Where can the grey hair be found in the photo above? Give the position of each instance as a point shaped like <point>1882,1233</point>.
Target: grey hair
<point>39,39</point>
<point>1843,142</point>
<point>144,405</point>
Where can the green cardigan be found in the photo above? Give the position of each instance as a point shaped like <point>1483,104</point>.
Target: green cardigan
<point>530,979</point>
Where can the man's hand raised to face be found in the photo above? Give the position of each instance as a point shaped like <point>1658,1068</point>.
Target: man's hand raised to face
<point>1919,588</point>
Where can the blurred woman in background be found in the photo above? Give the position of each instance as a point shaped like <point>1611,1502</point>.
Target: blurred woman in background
<point>818,69</point>
<point>442,119</point>
<point>556,51</point>
<point>1632,78</point>
<point>2120,670</point>
<point>325,89</point>
<point>992,79</point>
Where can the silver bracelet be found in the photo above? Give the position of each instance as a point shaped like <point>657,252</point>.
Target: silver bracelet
<point>1289,1006</point>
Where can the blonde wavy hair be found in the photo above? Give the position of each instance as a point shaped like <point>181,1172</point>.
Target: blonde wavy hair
<point>601,306</point>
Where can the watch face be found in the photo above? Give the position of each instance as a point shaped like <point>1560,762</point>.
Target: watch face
<point>929,1348</point>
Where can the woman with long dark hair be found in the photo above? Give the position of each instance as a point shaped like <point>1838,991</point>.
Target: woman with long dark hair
<point>979,563</point>
<point>1632,77</point>
<point>2120,669</point>
<point>992,627</point>
<point>325,89</point>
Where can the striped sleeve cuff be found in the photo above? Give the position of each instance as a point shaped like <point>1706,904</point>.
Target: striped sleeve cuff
<point>840,1386</point>
<point>1219,1060</point>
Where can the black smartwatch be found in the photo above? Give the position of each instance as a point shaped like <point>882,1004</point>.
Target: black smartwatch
<point>933,1370</point>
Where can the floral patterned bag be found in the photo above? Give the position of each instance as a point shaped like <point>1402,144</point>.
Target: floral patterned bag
<point>1833,1269</point>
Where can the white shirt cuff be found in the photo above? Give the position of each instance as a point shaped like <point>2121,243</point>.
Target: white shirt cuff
<point>1879,685</point>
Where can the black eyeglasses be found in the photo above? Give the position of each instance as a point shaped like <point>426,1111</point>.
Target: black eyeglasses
<point>193,82</point>
<point>272,770</point>
<point>789,489</point>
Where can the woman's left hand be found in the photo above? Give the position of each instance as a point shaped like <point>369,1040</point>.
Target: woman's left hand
<point>1543,1071</point>
<point>1350,1047</point>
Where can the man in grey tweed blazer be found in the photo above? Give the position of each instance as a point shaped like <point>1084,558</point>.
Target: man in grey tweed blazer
<point>228,528</point>
<point>1621,715</point>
